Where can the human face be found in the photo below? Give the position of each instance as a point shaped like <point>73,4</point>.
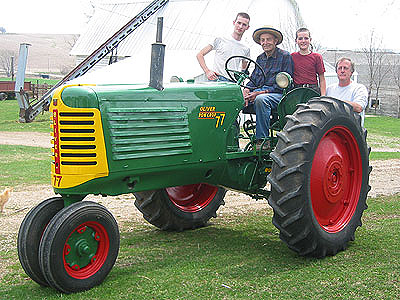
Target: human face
<point>268,42</point>
<point>240,25</point>
<point>344,72</point>
<point>303,40</point>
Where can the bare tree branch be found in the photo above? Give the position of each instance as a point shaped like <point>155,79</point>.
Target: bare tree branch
<point>5,61</point>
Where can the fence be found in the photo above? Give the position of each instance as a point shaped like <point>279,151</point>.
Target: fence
<point>38,90</point>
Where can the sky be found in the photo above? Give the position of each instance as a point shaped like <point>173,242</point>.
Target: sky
<point>334,24</point>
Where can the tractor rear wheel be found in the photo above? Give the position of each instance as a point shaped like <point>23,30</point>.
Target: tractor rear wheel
<point>181,207</point>
<point>79,247</point>
<point>30,234</point>
<point>319,179</point>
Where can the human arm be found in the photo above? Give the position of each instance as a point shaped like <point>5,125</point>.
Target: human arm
<point>356,107</point>
<point>211,75</point>
<point>359,99</point>
<point>322,84</point>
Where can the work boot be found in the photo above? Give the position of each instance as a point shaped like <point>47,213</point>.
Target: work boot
<point>266,146</point>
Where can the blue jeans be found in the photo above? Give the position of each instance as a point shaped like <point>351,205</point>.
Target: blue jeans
<point>263,104</point>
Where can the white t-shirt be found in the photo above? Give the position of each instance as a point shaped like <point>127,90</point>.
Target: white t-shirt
<point>226,47</point>
<point>354,92</point>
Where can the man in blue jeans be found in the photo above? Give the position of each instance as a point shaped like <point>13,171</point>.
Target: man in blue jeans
<point>273,60</point>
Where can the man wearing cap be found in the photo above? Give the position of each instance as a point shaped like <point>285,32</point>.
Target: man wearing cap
<point>273,60</point>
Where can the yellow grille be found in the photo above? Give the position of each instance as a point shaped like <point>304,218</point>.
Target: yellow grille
<point>78,152</point>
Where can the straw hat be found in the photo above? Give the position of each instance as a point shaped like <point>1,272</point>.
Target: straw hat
<point>267,29</point>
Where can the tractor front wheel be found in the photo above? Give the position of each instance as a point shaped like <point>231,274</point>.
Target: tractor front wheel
<point>319,178</point>
<point>79,247</point>
<point>30,234</point>
<point>181,207</point>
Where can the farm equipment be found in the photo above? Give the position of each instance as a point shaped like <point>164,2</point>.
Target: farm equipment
<point>177,148</point>
<point>30,109</point>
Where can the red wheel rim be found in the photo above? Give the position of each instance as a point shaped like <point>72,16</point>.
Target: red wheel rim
<point>336,178</point>
<point>99,252</point>
<point>193,197</point>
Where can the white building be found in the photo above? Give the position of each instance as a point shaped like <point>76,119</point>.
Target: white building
<point>189,25</point>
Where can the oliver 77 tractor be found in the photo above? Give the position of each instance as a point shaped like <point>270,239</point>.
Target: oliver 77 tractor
<point>178,148</point>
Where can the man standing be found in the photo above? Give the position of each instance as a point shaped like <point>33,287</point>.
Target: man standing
<point>273,60</point>
<point>225,48</point>
<point>348,91</point>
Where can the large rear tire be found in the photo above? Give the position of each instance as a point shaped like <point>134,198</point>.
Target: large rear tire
<point>319,179</point>
<point>30,234</point>
<point>181,207</point>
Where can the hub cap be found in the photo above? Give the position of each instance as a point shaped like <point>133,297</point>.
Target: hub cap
<point>336,177</point>
<point>192,197</point>
<point>86,250</point>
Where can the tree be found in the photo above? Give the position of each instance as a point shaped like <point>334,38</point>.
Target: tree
<point>6,62</point>
<point>395,72</point>
<point>378,67</point>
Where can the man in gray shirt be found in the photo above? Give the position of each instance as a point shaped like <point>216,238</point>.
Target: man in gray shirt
<point>348,91</point>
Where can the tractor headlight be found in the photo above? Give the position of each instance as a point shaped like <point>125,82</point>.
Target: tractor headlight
<point>283,80</point>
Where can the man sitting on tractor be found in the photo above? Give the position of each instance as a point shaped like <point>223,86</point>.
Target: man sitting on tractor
<point>262,100</point>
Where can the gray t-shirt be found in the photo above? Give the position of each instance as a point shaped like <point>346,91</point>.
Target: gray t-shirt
<point>354,92</point>
<point>226,47</point>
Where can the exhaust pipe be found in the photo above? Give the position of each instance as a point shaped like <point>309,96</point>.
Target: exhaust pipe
<point>157,59</point>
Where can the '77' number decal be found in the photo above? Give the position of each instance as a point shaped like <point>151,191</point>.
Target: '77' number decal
<point>57,180</point>
<point>220,119</point>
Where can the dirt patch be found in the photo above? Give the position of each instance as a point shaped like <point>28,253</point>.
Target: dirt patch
<point>35,139</point>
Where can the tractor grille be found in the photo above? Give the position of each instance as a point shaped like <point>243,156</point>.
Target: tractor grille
<point>148,132</point>
<point>74,139</point>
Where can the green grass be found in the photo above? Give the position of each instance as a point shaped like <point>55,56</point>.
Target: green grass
<point>34,80</point>
<point>240,257</point>
<point>384,126</point>
<point>23,165</point>
<point>384,155</point>
<point>9,111</point>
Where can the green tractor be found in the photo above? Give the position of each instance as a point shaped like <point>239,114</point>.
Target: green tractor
<point>178,148</point>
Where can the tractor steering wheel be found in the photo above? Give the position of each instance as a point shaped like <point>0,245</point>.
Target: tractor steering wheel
<point>240,76</point>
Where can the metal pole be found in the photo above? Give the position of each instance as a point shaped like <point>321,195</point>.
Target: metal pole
<point>12,68</point>
<point>20,79</point>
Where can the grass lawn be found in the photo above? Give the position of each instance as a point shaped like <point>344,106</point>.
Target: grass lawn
<point>34,80</point>
<point>385,126</point>
<point>240,257</point>
<point>22,165</point>
<point>9,111</point>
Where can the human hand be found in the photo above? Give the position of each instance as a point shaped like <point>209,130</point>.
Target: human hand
<point>250,96</point>
<point>211,75</point>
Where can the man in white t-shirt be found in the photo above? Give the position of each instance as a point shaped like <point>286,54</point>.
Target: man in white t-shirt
<point>226,47</point>
<point>348,91</point>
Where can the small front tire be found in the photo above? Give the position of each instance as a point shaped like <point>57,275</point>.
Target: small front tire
<point>30,234</point>
<point>79,247</point>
